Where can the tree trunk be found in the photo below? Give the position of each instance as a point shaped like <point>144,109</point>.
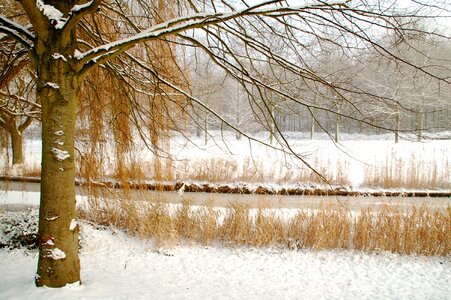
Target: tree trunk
<point>313,120</point>
<point>17,146</point>
<point>206,130</point>
<point>272,125</point>
<point>420,125</point>
<point>57,88</point>
<point>337,127</point>
<point>398,125</point>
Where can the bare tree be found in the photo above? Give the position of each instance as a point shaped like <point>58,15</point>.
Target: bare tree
<point>65,43</point>
<point>18,105</point>
<point>411,96</point>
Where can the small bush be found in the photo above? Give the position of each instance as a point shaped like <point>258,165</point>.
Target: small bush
<point>19,230</point>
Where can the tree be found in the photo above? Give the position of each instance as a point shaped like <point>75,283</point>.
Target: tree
<point>18,105</point>
<point>414,96</point>
<point>235,37</point>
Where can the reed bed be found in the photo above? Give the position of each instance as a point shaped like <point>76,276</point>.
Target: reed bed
<point>419,231</point>
<point>414,171</point>
<point>415,168</point>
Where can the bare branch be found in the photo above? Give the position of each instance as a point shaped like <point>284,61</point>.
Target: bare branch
<point>78,12</point>
<point>17,32</point>
<point>106,52</point>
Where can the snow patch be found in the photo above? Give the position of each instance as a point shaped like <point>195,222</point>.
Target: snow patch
<point>56,254</point>
<point>52,85</point>
<point>181,190</point>
<point>58,133</point>
<point>58,142</point>
<point>79,7</point>
<point>73,225</point>
<point>51,13</point>
<point>58,56</point>
<point>60,154</point>
<point>52,218</point>
<point>50,242</point>
<point>74,285</point>
<point>77,54</point>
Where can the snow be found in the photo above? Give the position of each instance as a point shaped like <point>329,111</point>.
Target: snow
<point>51,13</point>
<point>52,85</point>
<point>78,54</point>
<point>16,27</point>
<point>56,253</point>
<point>171,26</point>
<point>58,56</point>
<point>117,266</point>
<point>79,7</point>
<point>355,156</point>
<point>60,154</point>
<point>73,224</point>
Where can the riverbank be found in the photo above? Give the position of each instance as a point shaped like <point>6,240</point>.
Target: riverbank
<point>249,188</point>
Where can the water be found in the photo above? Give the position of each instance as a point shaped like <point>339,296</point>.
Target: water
<point>30,191</point>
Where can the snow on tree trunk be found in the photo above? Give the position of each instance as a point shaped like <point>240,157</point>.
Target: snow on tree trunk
<point>57,88</point>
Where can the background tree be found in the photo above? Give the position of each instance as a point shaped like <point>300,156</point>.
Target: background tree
<point>18,103</point>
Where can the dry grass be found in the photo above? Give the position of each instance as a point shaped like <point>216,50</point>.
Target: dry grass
<point>419,231</point>
<point>326,228</point>
<point>219,169</point>
<point>397,170</point>
<point>412,172</point>
<point>32,170</point>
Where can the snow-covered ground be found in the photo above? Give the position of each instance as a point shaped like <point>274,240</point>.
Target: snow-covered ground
<point>357,161</point>
<point>117,266</point>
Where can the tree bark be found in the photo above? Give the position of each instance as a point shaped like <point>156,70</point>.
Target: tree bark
<point>337,127</point>
<point>272,125</point>
<point>313,120</point>
<point>17,146</point>
<point>420,124</point>
<point>57,88</point>
<point>398,124</point>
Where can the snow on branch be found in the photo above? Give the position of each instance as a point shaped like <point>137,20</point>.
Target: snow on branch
<point>50,12</point>
<point>17,31</point>
<point>105,52</point>
<point>83,7</point>
<point>78,11</point>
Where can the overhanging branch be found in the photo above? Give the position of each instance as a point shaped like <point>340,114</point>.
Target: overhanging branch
<point>106,52</point>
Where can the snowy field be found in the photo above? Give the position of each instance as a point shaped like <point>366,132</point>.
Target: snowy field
<point>117,266</point>
<point>357,162</point>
